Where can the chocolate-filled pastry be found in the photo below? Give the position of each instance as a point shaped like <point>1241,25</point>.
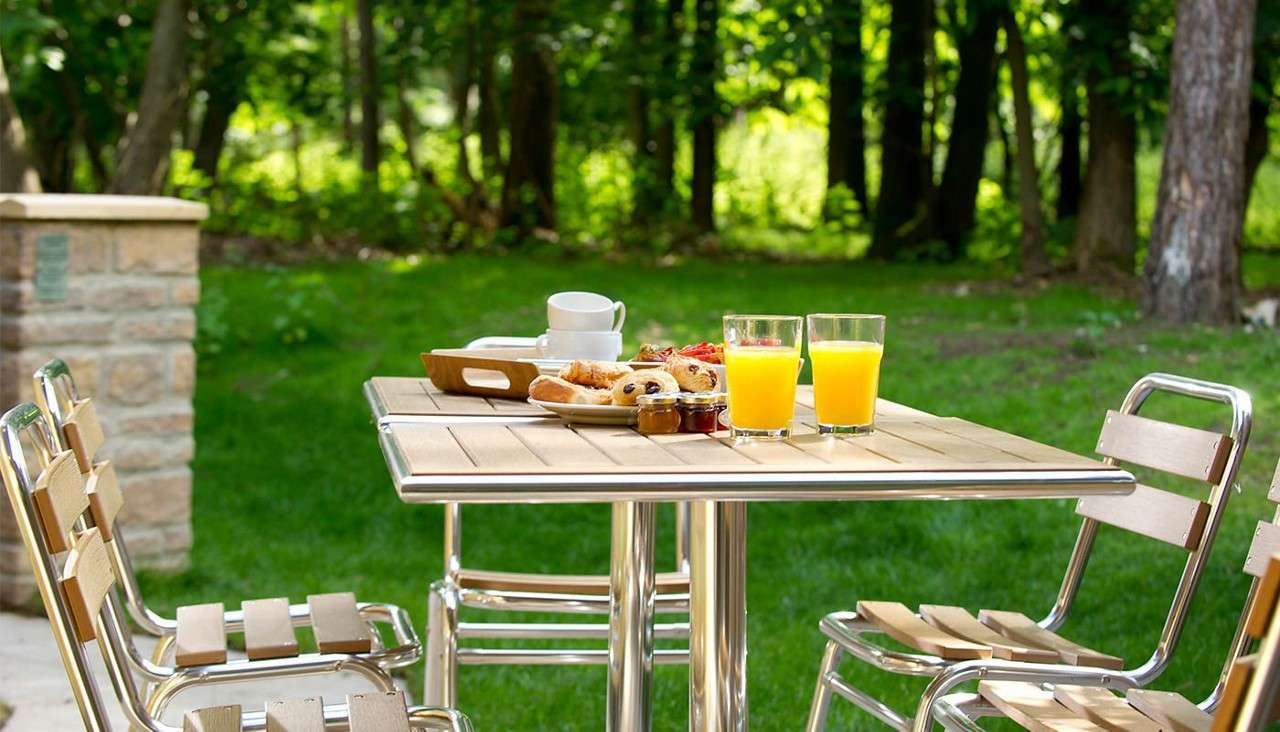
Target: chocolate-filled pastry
<point>555,389</point>
<point>645,381</point>
<point>692,374</point>
<point>596,374</point>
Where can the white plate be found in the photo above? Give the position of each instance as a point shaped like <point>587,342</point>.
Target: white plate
<point>590,413</point>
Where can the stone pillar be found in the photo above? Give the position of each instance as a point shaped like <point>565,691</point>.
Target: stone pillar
<point>108,283</point>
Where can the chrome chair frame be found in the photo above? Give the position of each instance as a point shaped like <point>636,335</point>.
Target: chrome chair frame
<point>112,631</point>
<point>449,594</point>
<point>56,393</point>
<point>845,629</point>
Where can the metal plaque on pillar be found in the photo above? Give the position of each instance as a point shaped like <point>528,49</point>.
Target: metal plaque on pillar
<point>52,255</point>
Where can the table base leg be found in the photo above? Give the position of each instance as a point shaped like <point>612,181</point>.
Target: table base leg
<point>718,617</point>
<point>631,602</point>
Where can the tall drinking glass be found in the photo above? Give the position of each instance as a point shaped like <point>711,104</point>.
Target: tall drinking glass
<point>846,352</point>
<point>762,361</point>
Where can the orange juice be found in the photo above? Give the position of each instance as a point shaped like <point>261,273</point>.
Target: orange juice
<point>762,386</point>
<point>846,377</point>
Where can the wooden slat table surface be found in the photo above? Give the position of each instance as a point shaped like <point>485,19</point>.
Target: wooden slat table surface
<point>438,449</point>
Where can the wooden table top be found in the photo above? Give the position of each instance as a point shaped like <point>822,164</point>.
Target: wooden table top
<point>474,449</point>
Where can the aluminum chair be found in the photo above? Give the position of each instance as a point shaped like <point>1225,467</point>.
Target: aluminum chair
<point>198,632</point>
<point>956,647</point>
<point>544,593</point>
<point>47,492</point>
<point>1243,699</point>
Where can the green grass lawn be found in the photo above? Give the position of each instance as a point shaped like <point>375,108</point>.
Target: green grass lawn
<point>292,497</point>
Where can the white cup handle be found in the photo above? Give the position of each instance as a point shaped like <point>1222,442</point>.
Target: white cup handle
<point>620,310</point>
<point>540,343</point>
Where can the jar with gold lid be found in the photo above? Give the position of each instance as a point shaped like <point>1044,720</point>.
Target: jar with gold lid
<point>700,411</point>
<point>658,414</point>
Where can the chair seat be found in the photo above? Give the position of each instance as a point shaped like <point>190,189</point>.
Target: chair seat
<point>1072,708</point>
<point>952,633</point>
<point>367,712</point>
<point>567,584</point>
<point>268,629</point>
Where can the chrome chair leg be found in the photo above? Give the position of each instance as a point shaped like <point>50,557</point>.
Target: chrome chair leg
<point>440,686</point>
<point>822,693</point>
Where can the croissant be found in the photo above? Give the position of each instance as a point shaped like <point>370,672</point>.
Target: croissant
<point>595,374</point>
<point>554,389</point>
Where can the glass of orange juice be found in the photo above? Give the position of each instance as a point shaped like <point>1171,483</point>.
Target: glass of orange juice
<point>762,361</point>
<point>846,352</point>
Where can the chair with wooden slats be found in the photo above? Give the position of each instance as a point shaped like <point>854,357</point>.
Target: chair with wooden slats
<point>532,592</point>
<point>1243,701</point>
<point>76,574</point>
<point>952,645</point>
<point>198,633</point>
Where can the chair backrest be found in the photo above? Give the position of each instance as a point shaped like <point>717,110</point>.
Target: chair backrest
<point>1188,523</point>
<point>1248,700</point>
<point>42,484</point>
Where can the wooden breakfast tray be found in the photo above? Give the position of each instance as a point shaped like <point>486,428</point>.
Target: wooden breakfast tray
<point>494,372</point>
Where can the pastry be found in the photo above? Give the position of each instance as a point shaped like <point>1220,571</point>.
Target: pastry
<point>595,374</point>
<point>645,381</point>
<point>555,389</point>
<point>692,374</point>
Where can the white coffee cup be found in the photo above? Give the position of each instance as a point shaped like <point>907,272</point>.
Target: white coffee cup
<point>584,311</point>
<point>596,345</point>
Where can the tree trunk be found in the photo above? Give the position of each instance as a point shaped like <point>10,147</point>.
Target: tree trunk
<point>901,154</point>
<point>295,140</point>
<point>1006,147</point>
<point>1035,260</point>
<point>644,198</point>
<point>488,114</point>
<point>1106,232</point>
<point>16,174</point>
<point>1069,159</point>
<point>463,78</point>
<point>213,132</point>
<point>344,70</point>
<point>668,83</point>
<point>528,193</point>
<point>144,153</point>
<point>703,69</point>
<point>846,132</point>
<point>970,124</point>
<point>1192,268</point>
<point>1259,141</point>
<point>369,120</point>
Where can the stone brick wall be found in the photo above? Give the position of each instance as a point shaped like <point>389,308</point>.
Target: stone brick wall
<point>124,324</point>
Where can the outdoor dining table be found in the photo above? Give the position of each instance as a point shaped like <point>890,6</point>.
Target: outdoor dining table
<point>450,448</point>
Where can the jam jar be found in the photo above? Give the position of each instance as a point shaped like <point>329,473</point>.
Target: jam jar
<point>700,411</point>
<point>658,414</point>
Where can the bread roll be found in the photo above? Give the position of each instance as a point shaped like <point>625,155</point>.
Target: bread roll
<point>692,374</point>
<point>595,374</point>
<point>555,389</point>
<point>645,381</point>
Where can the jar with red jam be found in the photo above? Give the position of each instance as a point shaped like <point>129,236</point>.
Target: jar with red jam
<point>659,414</point>
<point>700,411</point>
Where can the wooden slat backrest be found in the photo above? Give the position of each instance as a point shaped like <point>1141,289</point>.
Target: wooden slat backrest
<point>268,629</point>
<point>1261,622</point>
<point>105,498</point>
<point>378,712</point>
<point>212,719</point>
<point>337,625</point>
<point>1274,494</point>
<point>1151,512</point>
<point>84,433</point>
<point>1266,541</point>
<point>295,715</point>
<point>60,499</point>
<point>86,580</point>
<point>1171,448</point>
<point>1265,597</point>
<point>1238,679</point>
